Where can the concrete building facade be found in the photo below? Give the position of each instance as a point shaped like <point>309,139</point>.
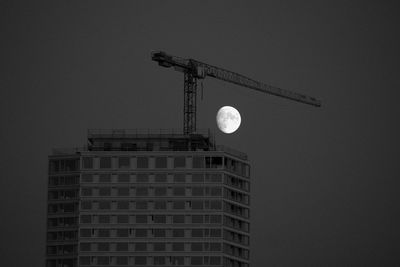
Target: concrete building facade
<point>152,198</point>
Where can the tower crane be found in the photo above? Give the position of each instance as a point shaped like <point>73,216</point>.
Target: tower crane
<point>194,70</point>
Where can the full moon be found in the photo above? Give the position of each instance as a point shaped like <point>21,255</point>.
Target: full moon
<point>228,119</point>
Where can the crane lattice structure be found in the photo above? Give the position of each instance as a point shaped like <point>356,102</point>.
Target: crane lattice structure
<point>194,70</point>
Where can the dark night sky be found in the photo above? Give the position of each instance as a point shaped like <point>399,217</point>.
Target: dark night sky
<point>325,181</point>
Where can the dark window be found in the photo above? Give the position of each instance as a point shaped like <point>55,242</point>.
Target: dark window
<point>105,178</point>
<point>85,247</point>
<point>197,218</point>
<point>104,233</point>
<point>160,191</point>
<point>179,191</point>
<point>198,178</point>
<point>177,260</point>
<point>178,246</point>
<point>161,162</point>
<point>121,260</point>
<point>123,205</point>
<point>142,178</point>
<point>197,246</point>
<point>105,162</point>
<point>196,260</point>
<point>178,205</point>
<point>123,178</point>
<point>123,191</point>
<point>140,246</point>
<point>141,205</point>
<point>161,178</point>
<point>103,246</point>
<point>86,191</point>
<point>216,191</point>
<point>142,162</point>
<point>197,204</point>
<point>86,219</point>
<point>215,260</point>
<point>179,219</point>
<point>215,219</point>
<point>123,162</point>
<point>123,219</point>
<point>104,205</point>
<point>104,219</point>
<point>86,205</point>
<point>103,260</point>
<point>159,232</point>
<point>104,191</point>
<point>198,162</point>
<point>179,162</point>
<point>142,191</point>
<point>84,260</point>
<point>159,246</point>
<point>178,233</point>
<point>215,204</point>
<point>159,260</point>
<point>86,232</point>
<point>160,205</point>
<point>140,260</point>
<point>215,232</point>
<point>141,218</point>
<point>179,178</point>
<point>215,246</point>
<point>141,233</point>
<point>197,191</point>
<point>160,219</point>
<point>87,178</point>
<point>123,232</point>
<point>197,232</point>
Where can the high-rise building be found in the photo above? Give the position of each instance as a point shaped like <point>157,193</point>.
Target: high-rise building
<point>151,198</point>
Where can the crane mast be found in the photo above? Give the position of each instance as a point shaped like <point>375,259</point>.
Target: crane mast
<point>194,70</point>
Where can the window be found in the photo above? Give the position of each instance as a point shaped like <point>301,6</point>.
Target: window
<point>105,162</point>
<point>196,260</point>
<point>86,191</point>
<point>141,205</point>
<point>197,232</point>
<point>121,260</point>
<point>178,205</point>
<point>103,260</point>
<point>123,178</point>
<point>215,205</point>
<point>215,219</point>
<point>215,246</point>
<point>142,191</point>
<point>122,205</point>
<point>140,260</point>
<point>197,191</point>
<point>179,219</point>
<point>161,162</point>
<point>178,233</point>
<point>177,260</point>
<point>122,232</point>
<point>87,163</point>
<point>86,219</point>
<point>86,205</point>
<point>142,162</point>
<point>104,191</point>
<point>160,205</point>
<point>159,246</point>
<point>198,162</point>
<point>160,191</point>
<point>178,246</point>
<point>159,233</point>
<point>84,260</point>
<point>140,246</point>
<point>160,219</point>
<point>198,178</point>
<point>141,218</point>
<point>161,178</point>
<point>179,191</point>
<point>159,260</point>
<point>104,205</point>
<point>104,219</point>
<point>85,247</point>
<point>215,260</point>
<point>123,162</point>
<point>197,246</point>
<point>142,178</point>
<point>105,178</point>
<point>216,191</point>
<point>141,233</point>
<point>215,232</point>
<point>123,191</point>
<point>197,204</point>
<point>87,178</point>
<point>103,247</point>
<point>104,233</point>
<point>197,218</point>
<point>86,232</point>
<point>179,178</point>
<point>122,219</point>
<point>179,162</point>
<point>213,162</point>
